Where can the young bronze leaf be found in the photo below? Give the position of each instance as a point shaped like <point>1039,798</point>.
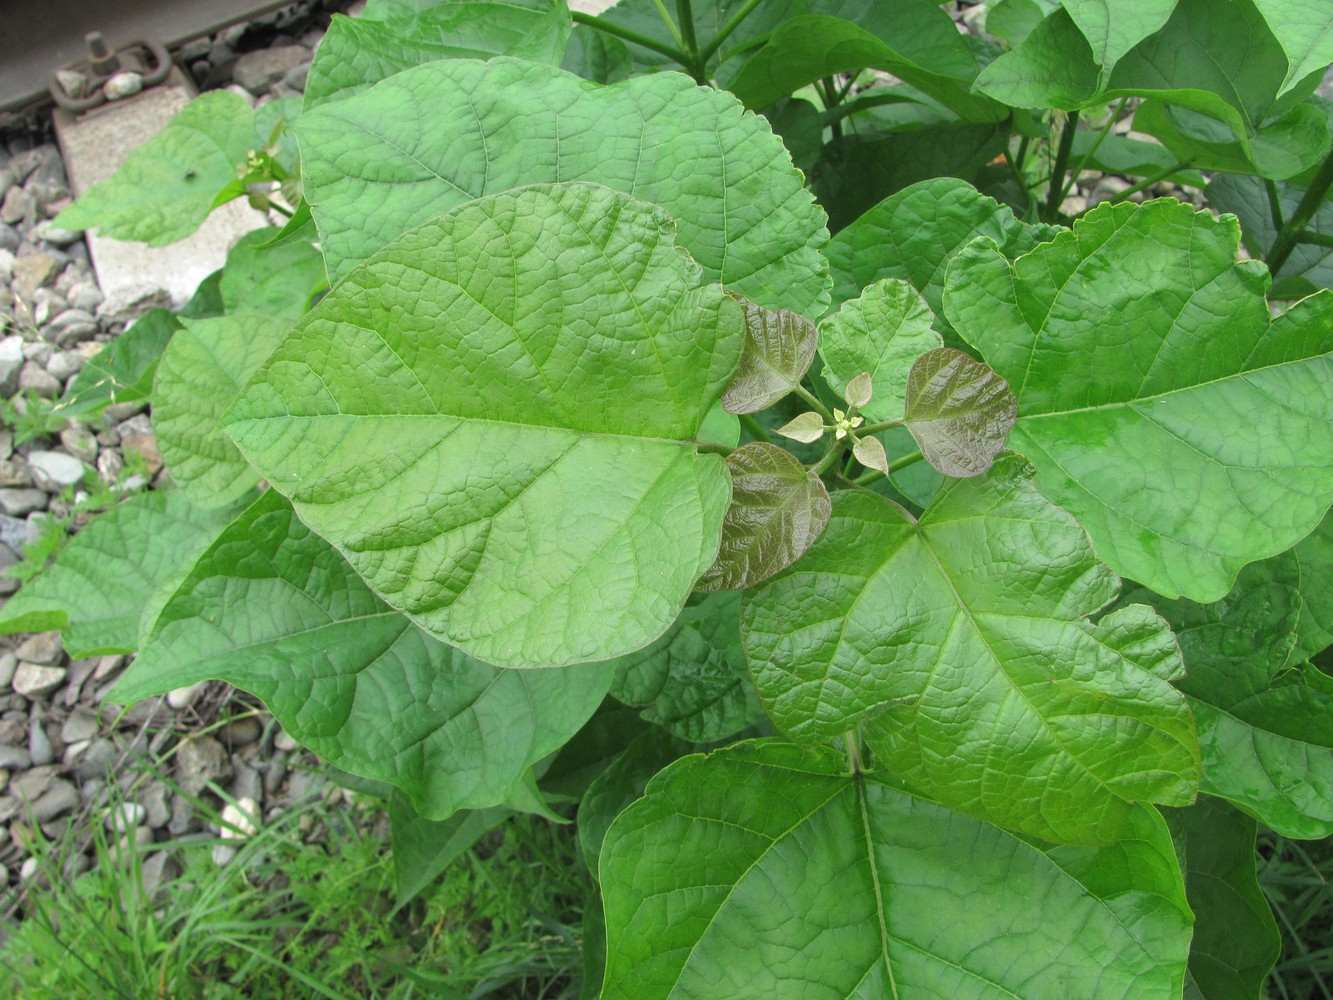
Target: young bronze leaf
<point>778,508</point>
<point>779,346</point>
<point>959,411</point>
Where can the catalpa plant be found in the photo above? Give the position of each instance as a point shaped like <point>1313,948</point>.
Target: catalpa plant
<point>932,609</point>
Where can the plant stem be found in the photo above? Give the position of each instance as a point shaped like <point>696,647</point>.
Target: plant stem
<point>1056,192</point>
<point>688,41</point>
<point>275,207</point>
<point>671,25</point>
<point>883,425</point>
<point>1150,180</point>
<point>854,763</point>
<point>1111,119</point>
<point>723,32</point>
<point>1288,236</point>
<point>754,428</point>
<point>1316,239</point>
<point>814,402</point>
<point>600,24</point>
<point>1274,206</point>
<point>713,448</point>
<point>903,461</point>
<point>835,450</point>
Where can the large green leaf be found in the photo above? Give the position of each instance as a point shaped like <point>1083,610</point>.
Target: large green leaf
<point>1235,939</point>
<point>123,370</point>
<point>271,276</point>
<point>200,375</point>
<point>1053,67</point>
<point>357,53</point>
<point>168,185</point>
<point>767,871</point>
<point>436,136</point>
<point>882,332</point>
<point>1266,731</point>
<point>1186,432</point>
<point>1113,28</point>
<point>374,695</point>
<point>914,234</point>
<point>963,644</point>
<point>423,848</point>
<point>1314,568</point>
<point>506,452</point>
<point>1305,32</point>
<point>917,42</point>
<point>98,589</point>
<point>693,680</point>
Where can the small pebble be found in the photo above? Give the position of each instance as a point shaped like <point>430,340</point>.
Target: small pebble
<point>122,85</point>
<point>42,647</point>
<point>33,680</point>
<point>126,816</point>
<point>39,744</point>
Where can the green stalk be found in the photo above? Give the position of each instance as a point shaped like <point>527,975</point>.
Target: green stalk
<point>1274,206</point>
<point>835,450</point>
<point>814,402</point>
<point>1316,239</point>
<point>713,448</point>
<point>1152,179</point>
<point>1111,119</point>
<point>870,475</point>
<point>883,425</point>
<point>1056,192</point>
<point>754,428</point>
<point>600,24</point>
<point>854,764</point>
<point>723,32</point>
<point>671,25</point>
<point>689,43</point>
<point>1289,235</point>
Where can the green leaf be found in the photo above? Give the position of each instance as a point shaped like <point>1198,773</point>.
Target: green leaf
<point>1305,32</point>
<point>857,172</point>
<point>964,644</point>
<point>1266,731</point>
<point>167,186</point>
<point>766,871</point>
<point>1314,565</point>
<point>779,346</point>
<point>439,135</point>
<point>271,278</point>
<point>423,848</point>
<point>1310,267</point>
<point>914,234</point>
<point>1053,67</point>
<point>1119,154</point>
<point>1235,939</point>
<point>882,333</point>
<point>622,783</point>
<point>597,56</point>
<point>200,376</point>
<point>959,411</point>
<point>1186,432</point>
<point>455,429</point>
<point>376,696</point>
<point>778,508</point>
<point>206,302</point>
<point>1114,28</point>
<point>357,53</point>
<point>693,681</point>
<point>100,584</point>
<point>122,371</point>
<point>918,43</point>
<point>806,427</point>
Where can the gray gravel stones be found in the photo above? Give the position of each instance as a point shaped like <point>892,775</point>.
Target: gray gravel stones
<point>32,680</point>
<point>199,761</point>
<point>54,471</point>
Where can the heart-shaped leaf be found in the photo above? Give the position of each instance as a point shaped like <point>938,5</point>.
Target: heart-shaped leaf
<point>707,875</point>
<point>123,370</point>
<point>199,377</point>
<point>959,411</point>
<point>375,695</point>
<point>806,428</point>
<point>1183,462</point>
<point>433,137</point>
<point>778,508</point>
<point>964,646</point>
<point>272,276</point>
<point>779,346</point>
<point>506,452</point>
<point>881,333</point>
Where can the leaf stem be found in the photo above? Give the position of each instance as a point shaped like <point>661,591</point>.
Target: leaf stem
<point>725,31</point>
<point>1111,119</point>
<point>883,425</point>
<point>1274,205</point>
<point>855,766</point>
<point>690,44</point>
<point>713,448</point>
<point>903,461</point>
<point>671,25</point>
<point>835,450</point>
<point>1056,191</point>
<point>754,428</point>
<point>1316,239</point>
<point>628,35</point>
<point>1288,235</point>
<point>275,207</point>
<point>814,402</point>
<point>1150,180</point>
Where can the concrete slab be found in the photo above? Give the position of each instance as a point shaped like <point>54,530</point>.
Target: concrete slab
<point>95,144</point>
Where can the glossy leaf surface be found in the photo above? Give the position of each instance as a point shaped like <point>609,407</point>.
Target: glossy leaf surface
<point>200,375</point>
<point>1184,430</point>
<point>98,588</point>
<point>436,136</point>
<point>959,411</point>
<point>376,696</point>
<point>882,332</point>
<point>779,346</point>
<point>693,681</point>
<point>964,645</point>
<point>541,501</point>
<point>357,53</point>
<point>778,508</point>
<point>168,185</point>
<point>707,878</point>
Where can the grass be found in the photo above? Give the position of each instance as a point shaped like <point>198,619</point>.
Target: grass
<point>1297,878</point>
<point>305,909</point>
